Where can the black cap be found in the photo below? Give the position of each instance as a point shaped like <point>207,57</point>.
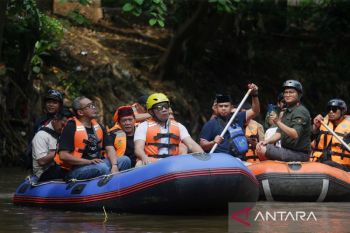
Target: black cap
<point>66,112</point>
<point>142,100</point>
<point>222,98</point>
<point>63,112</point>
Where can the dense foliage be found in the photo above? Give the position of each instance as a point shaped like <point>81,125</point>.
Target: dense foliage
<point>229,43</point>
<point>214,46</point>
<point>28,37</point>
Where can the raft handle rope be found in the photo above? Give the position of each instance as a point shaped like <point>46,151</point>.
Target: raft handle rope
<point>34,182</point>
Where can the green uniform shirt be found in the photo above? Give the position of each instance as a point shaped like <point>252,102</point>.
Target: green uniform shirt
<point>298,118</point>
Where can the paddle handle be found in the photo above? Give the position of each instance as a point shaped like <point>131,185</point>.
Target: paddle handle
<point>335,135</point>
<point>232,118</point>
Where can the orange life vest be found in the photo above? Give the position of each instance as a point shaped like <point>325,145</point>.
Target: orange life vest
<point>154,136</point>
<point>338,153</point>
<point>251,131</point>
<point>80,136</point>
<point>120,139</point>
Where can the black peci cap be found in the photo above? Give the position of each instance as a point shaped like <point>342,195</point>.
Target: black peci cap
<point>222,98</point>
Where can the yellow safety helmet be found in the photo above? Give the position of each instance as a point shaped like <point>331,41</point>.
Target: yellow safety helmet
<point>155,99</point>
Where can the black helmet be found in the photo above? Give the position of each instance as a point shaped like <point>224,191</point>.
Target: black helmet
<point>54,95</point>
<point>293,84</point>
<point>63,112</point>
<point>142,100</point>
<point>338,103</point>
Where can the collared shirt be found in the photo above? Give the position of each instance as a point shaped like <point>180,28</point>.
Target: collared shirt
<point>42,143</point>
<point>298,118</point>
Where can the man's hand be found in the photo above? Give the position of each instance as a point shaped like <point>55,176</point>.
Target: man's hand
<point>254,89</point>
<point>95,161</point>
<point>317,120</point>
<point>261,144</point>
<point>145,160</point>
<point>114,168</point>
<point>218,139</point>
<point>274,118</point>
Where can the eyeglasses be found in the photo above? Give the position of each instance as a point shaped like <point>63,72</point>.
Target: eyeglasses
<point>332,108</point>
<point>89,105</point>
<point>160,106</point>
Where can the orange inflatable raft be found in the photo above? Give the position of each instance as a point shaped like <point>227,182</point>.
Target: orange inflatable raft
<point>301,181</point>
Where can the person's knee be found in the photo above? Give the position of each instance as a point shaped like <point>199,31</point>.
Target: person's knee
<point>103,168</point>
<point>124,163</point>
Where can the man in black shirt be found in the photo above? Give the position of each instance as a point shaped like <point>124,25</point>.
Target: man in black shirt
<point>83,143</point>
<point>122,133</point>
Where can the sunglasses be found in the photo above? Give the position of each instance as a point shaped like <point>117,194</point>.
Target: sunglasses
<point>332,108</point>
<point>160,107</point>
<point>89,105</point>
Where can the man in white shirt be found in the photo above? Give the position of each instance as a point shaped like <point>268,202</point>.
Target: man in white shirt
<point>159,137</point>
<point>44,146</point>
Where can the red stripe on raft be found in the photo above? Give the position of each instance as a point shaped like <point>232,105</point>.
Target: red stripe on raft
<point>134,188</point>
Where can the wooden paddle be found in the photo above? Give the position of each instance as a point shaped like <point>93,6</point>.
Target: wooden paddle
<point>232,118</point>
<point>335,135</point>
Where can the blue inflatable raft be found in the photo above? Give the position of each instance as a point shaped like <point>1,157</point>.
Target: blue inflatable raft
<point>198,183</point>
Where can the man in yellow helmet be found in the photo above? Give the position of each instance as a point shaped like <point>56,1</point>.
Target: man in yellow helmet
<point>159,137</point>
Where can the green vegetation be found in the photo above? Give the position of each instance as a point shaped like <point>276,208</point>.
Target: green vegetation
<point>193,49</point>
<point>28,37</point>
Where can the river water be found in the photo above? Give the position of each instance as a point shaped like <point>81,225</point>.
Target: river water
<point>36,220</point>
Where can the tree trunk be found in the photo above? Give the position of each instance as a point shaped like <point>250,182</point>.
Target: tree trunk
<point>3,8</point>
<point>168,61</point>
<point>45,5</point>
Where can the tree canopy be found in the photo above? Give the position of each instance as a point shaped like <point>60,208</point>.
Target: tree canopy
<point>193,50</point>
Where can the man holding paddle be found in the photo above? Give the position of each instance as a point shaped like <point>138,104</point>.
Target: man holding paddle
<point>332,135</point>
<point>224,132</point>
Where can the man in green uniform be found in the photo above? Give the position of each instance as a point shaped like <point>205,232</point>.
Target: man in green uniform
<point>294,128</point>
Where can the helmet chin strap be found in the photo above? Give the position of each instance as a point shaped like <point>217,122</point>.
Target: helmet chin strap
<point>343,112</point>
<point>300,95</point>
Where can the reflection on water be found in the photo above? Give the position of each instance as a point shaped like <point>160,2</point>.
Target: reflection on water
<point>26,219</point>
<point>35,220</point>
